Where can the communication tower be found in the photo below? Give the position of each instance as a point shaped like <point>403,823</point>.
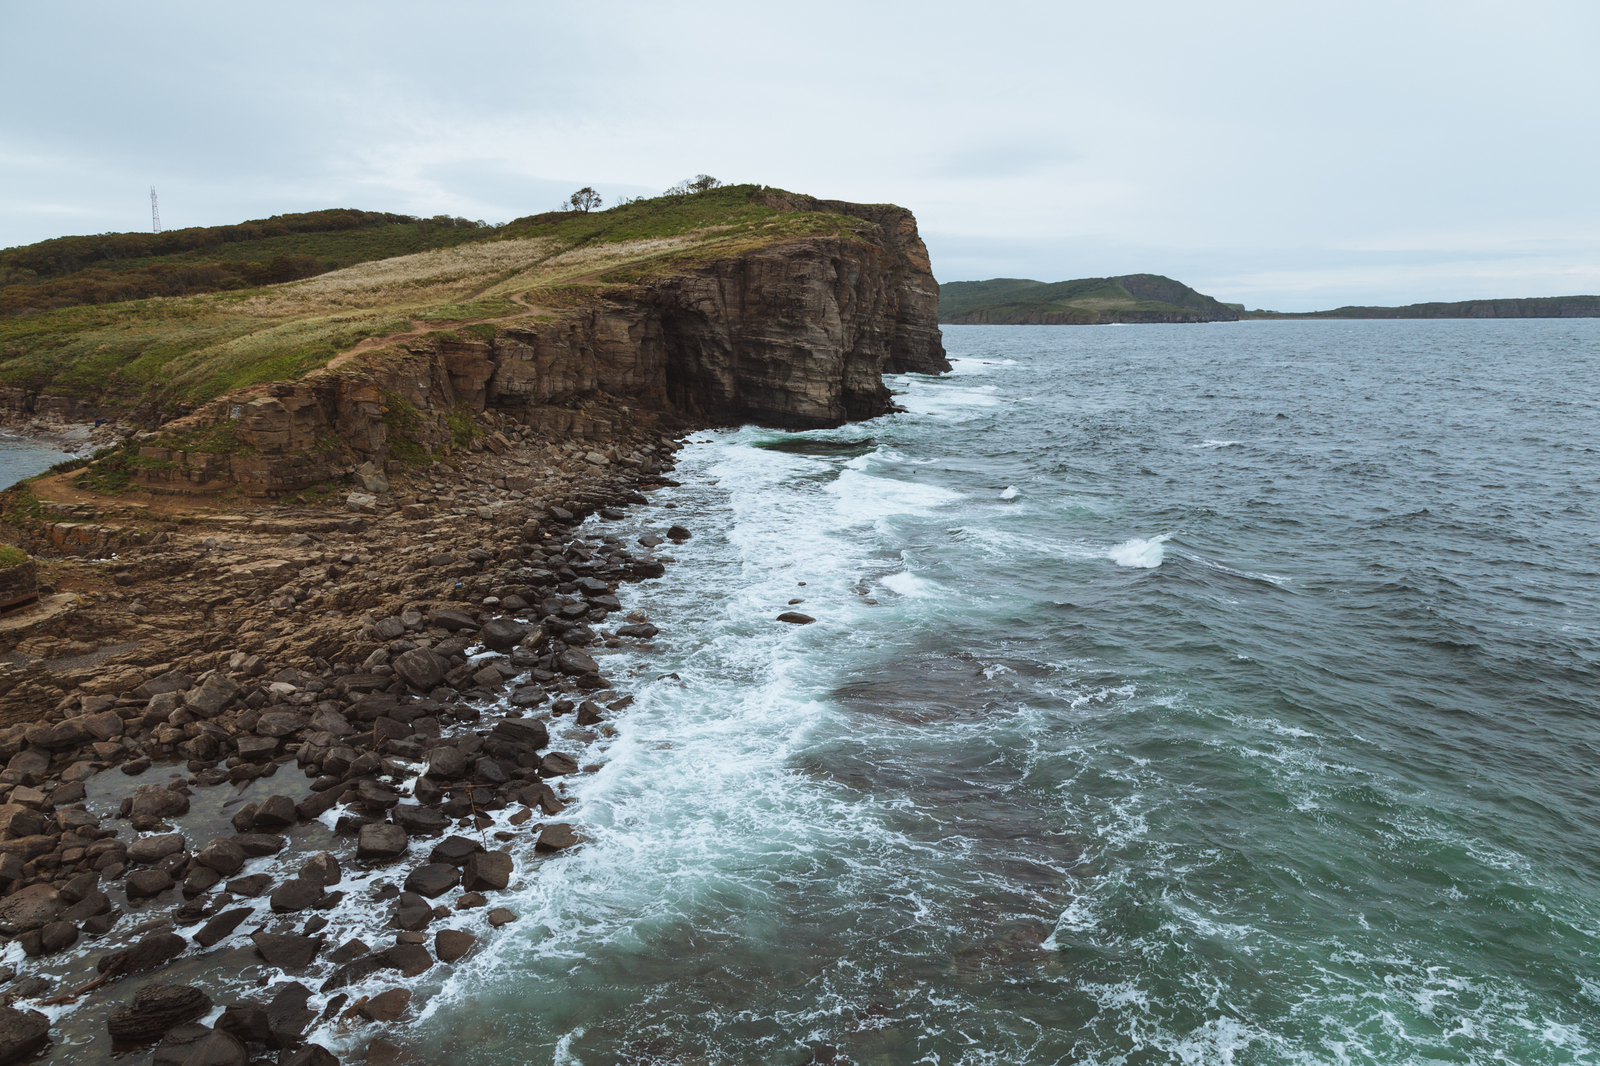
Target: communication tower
<point>155,212</point>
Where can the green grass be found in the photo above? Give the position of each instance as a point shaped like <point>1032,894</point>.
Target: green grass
<point>1130,298</point>
<point>11,555</point>
<point>185,350</point>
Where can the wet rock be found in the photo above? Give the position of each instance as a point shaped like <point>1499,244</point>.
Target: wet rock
<point>557,837</point>
<point>310,1055</point>
<point>322,868</point>
<point>454,850</point>
<point>150,953</point>
<point>251,886</point>
<point>796,618</point>
<point>370,793</point>
<point>295,895</point>
<point>446,762</point>
<point>433,879</point>
<point>155,1008</point>
<point>501,916</point>
<point>176,1046</point>
<point>154,801</point>
<point>142,884</point>
<point>419,821</point>
<point>386,1006</point>
<point>410,959</point>
<point>452,944</point>
<point>248,1024</point>
<point>217,1048</point>
<point>153,849</point>
<point>221,927</point>
<point>350,949</point>
<point>275,812</point>
<point>256,749</point>
<point>487,871</point>
<point>22,1032</point>
<point>49,939</point>
<point>380,841</point>
<point>222,855</point>
<point>256,845</point>
<point>30,908</point>
<point>558,764</point>
<point>94,902</point>
<point>287,951</point>
<point>528,731</point>
<point>574,662</point>
<point>503,634</point>
<point>489,772</point>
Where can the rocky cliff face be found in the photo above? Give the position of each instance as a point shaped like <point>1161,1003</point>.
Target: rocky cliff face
<point>796,335</point>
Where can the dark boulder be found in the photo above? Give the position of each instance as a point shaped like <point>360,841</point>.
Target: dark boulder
<point>421,668</point>
<point>295,894</point>
<point>487,871</point>
<point>433,879</point>
<point>287,951</point>
<point>154,1009</point>
<point>22,1032</point>
<point>452,944</point>
<point>503,634</point>
<point>380,841</point>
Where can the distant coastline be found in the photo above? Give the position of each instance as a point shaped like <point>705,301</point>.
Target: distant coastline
<point>1532,307</point>
<point>1152,298</point>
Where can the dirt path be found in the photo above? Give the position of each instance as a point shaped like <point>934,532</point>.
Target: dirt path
<point>422,326</point>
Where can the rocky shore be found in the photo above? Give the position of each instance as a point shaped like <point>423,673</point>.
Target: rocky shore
<point>266,774</point>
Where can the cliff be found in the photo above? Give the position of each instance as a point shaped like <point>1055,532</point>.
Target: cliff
<point>740,304</point>
<point>1131,298</point>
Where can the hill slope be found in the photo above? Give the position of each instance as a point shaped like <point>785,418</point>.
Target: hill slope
<point>1140,298</point>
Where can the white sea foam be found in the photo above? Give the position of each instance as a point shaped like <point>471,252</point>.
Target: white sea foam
<point>1009,492</point>
<point>910,585</point>
<point>1144,554</point>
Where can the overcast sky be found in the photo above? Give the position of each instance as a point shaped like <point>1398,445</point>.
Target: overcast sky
<point>1289,154</point>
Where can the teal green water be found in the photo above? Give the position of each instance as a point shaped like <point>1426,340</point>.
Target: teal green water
<point>1215,694</point>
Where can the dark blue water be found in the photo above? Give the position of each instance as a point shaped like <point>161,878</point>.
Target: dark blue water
<point>1219,694</point>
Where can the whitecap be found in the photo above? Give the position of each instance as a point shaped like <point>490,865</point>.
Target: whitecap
<point>910,585</point>
<point>1009,493</point>
<point>1144,554</point>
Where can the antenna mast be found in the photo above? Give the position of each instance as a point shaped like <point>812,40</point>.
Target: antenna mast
<point>155,212</point>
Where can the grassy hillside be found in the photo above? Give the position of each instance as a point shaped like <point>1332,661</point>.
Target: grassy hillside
<point>112,267</point>
<point>195,347</point>
<point>1533,307</point>
<point>1129,298</point>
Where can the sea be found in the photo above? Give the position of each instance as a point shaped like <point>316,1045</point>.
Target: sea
<point>1176,694</point>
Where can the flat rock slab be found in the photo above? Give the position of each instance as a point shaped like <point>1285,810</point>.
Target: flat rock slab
<point>556,837</point>
<point>142,884</point>
<point>148,954</point>
<point>221,927</point>
<point>419,821</point>
<point>251,886</point>
<point>454,850</point>
<point>155,848</point>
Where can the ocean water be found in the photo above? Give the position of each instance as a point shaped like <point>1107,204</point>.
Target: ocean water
<point>1189,694</point>
<point>22,457</point>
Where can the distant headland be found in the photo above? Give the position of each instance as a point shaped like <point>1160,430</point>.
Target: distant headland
<point>1151,298</point>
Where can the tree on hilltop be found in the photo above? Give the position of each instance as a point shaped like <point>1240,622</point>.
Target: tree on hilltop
<point>584,200</point>
<point>690,186</point>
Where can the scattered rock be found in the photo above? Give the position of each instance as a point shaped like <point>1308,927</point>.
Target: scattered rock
<point>487,871</point>
<point>154,1009</point>
<point>386,1006</point>
<point>433,879</point>
<point>796,618</point>
<point>287,951</point>
<point>22,1032</point>
<point>452,944</point>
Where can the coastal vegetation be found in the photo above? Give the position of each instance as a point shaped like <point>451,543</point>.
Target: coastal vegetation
<point>177,349</point>
<point>1534,307</point>
<point>1084,301</point>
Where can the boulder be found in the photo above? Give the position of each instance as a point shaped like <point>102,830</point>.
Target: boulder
<point>419,821</point>
<point>386,1006</point>
<point>529,731</point>
<point>221,927</point>
<point>49,939</point>
<point>454,621</point>
<point>249,887</point>
<point>287,951</point>
<point>558,764</point>
<point>556,837</point>
<point>446,762</point>
<point>142,884</point>
<point>411,960</point>
<point>256,845</point>
<point>29,908</point>
<point>224,855</point>
<point>574,662</point>
<point>796,618</point>
<point>155,848</point>
<point>454,850</point>
<point>503,634</point>
<point>155,801</point>
<point>433,879</point>
<point>421,668</point>
<point>155,1008</point>
<point>150,953</point>
<point>380,841</point>
<point>213,694</point>
<point>295,894</point>
<point>22,1032</point>
<point>275,812</point>
<point>311,1055</point>
<point>487,871</point>
<point>452,944</point>
<point>322,868</point>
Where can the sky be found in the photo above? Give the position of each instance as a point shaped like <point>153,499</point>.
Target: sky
<point>1291,155</point>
